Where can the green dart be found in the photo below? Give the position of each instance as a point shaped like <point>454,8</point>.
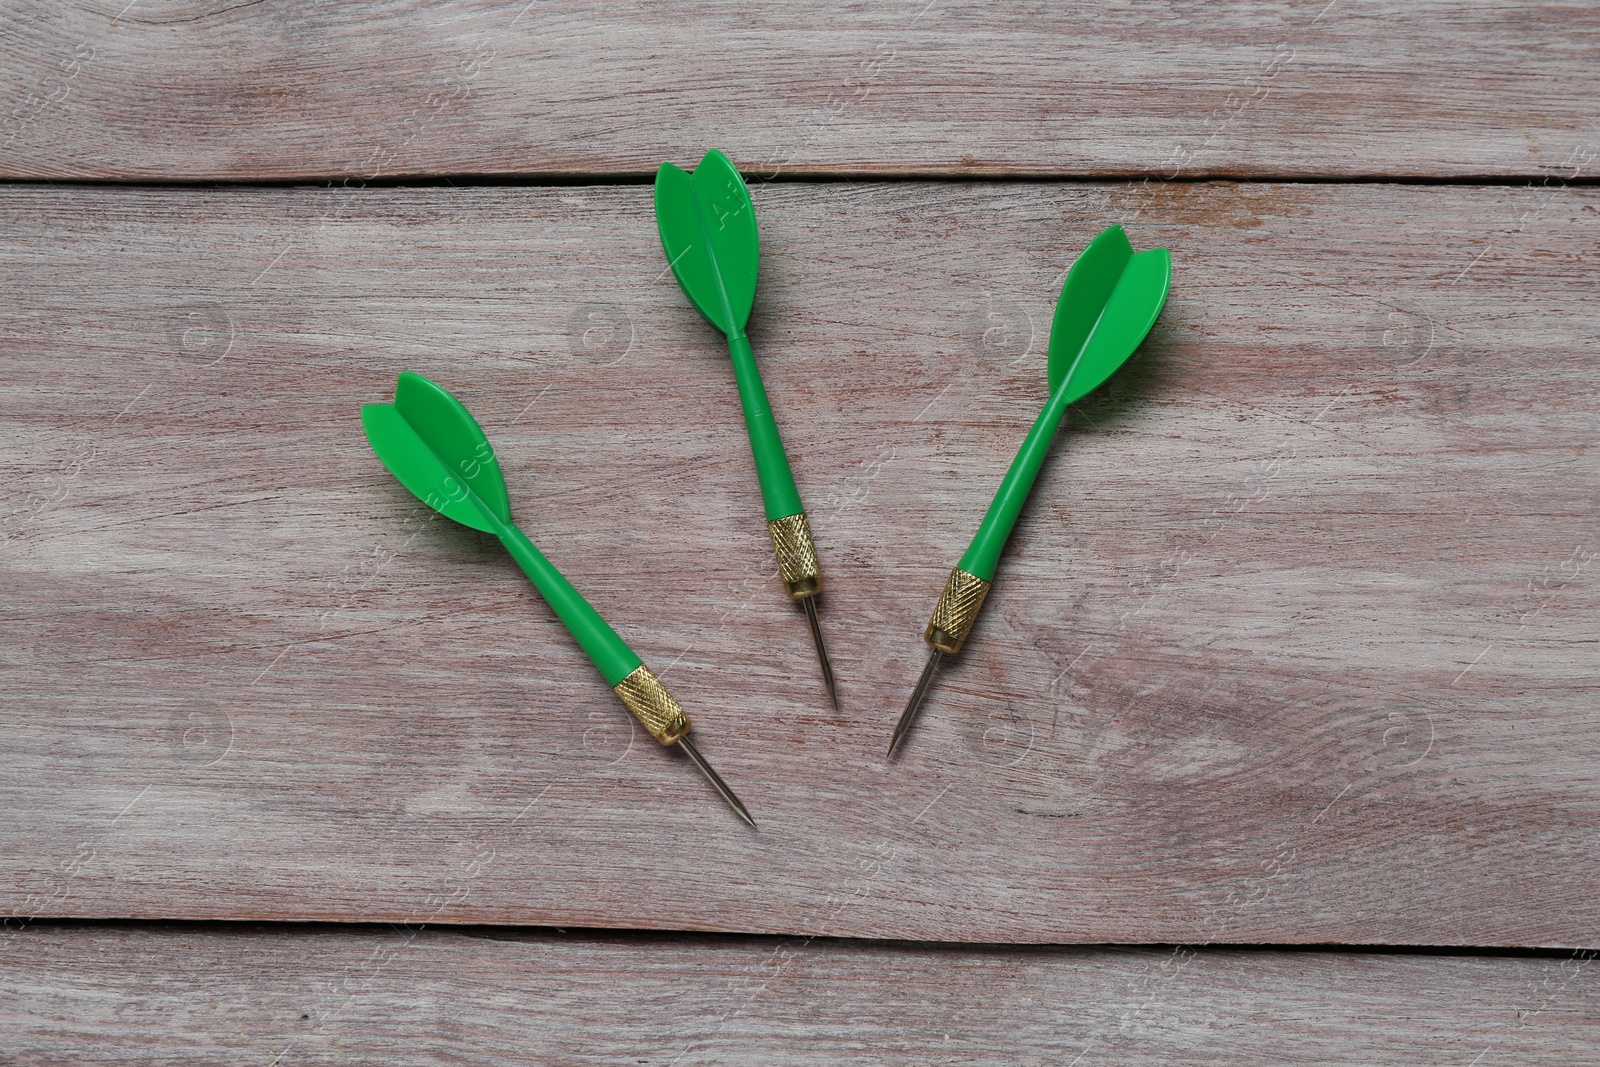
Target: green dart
<point>435,447</point>
<point>1109,302</point>
<point>708,230</point>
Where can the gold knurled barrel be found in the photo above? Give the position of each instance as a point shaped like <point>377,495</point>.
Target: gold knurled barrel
<point>956,611</point>
<point>653,706</point>
<point>797,556</point>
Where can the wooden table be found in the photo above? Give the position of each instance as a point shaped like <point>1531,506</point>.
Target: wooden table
<point>1277,741</point>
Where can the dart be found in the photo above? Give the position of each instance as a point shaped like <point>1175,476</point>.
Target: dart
<point>708,231</point>
<point>1109,302</point>
<point>434,446</point>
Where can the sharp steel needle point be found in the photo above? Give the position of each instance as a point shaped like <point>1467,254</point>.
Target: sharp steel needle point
<point>715,779</point>
<point>909,716</point>
<point>822,650</point>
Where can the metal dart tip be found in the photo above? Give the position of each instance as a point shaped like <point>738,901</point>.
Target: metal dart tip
<point>822,650</point>
<point>715,779</point>
<point>909,716</point>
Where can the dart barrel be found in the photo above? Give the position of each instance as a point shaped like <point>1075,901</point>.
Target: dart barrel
<point>956,612</point>
<point>652,705</point>
<point>797,556</point>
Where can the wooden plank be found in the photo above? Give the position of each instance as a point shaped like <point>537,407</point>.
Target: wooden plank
<point>205,89</point>
<point>1293,644</point>
<point>154,995</point>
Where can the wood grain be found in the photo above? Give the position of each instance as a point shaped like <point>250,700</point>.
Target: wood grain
<point>207,89</point>
<point>155,995</point>
<point>1294,642</point>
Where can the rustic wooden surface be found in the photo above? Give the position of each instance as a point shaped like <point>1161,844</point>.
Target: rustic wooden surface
<point>1294,642</point>
<point>158,995</point>
<point>173,89</point>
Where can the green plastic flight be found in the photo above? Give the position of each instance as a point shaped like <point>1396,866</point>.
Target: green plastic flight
<point>433,445</point>
<point>1111,299</point>
<point>708,232</point>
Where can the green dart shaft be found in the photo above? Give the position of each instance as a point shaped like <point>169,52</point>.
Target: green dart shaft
<point>610,654</point>
<point>778,492</point>
<point>983,554</point>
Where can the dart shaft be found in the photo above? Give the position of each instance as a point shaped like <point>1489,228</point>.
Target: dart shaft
<point>778,491</point>
<point>983,554</point>
<point>787,524</point>
<point>609,653</point>
<point>638,689</point>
